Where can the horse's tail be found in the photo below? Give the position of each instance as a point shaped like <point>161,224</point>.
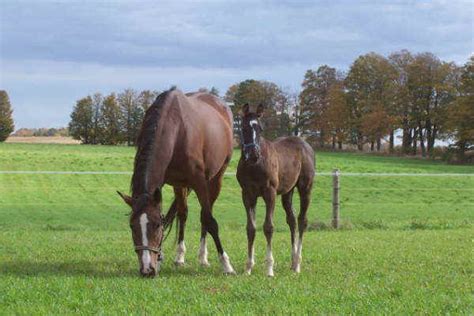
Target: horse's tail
<point>170,218</point>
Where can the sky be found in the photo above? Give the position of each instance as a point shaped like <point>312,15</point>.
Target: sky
<point>54,52</point>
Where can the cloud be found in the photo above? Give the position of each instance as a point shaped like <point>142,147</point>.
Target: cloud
<point>54,52</point>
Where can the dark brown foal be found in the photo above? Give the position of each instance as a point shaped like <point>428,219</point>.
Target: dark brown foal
<point>268,169</point>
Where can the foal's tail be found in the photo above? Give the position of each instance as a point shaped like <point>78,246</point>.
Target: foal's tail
<point>170,218</point>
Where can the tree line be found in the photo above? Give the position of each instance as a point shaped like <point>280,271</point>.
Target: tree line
<point>110,119</point>
<point>415,97</point>
<point>418,96</point>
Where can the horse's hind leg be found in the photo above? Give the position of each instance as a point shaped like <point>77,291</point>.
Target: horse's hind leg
<point>250,202</point>
<point>269,196</point>
<point>201,187</point>
<point>182,214</point>
<point>304,189</point>
<point>214,190</point>
<point>287,201</point>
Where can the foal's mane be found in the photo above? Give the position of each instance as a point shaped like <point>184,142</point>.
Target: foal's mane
<point>146,144</point>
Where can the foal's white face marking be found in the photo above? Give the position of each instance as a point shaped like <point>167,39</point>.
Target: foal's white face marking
<point>254,124</point>
<point>146,258</point>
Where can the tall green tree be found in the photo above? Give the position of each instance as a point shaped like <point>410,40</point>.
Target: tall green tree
<point>131,115</point>
<point>81,125</point>
<point>256,92</point>
<point>432,87</point>
<point>337,115</point>
<point>111,131</point>
<point>460,115</point>
<point>314,101</point>
<point>401,102</point>
<point>6,120</point>
<point>97,100</point>
<point>370,84</point>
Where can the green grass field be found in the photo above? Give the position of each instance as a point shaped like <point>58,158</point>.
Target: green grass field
<point>406,243</point>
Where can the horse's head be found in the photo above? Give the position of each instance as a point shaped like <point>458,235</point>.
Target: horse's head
<point>251,130</point>
<point>146,224</point>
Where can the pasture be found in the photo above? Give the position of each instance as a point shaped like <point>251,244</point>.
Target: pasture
<point>406,243</point>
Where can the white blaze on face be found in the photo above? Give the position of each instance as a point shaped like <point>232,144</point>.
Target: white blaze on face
<point>253,124</point>
<point>146,258</point>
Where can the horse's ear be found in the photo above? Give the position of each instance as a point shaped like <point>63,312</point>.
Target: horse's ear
<point>126,198</point>
<point>245,109</point>
<point>157,196</point>
<point>260,109</point>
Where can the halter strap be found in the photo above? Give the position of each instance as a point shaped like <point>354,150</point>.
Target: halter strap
<point>155,250</point>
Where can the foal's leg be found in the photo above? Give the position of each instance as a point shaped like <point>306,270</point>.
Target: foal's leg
<point>269,197</point>
<point>201,187</point>
<point>250,201</point>
<point>287,201</point>
<point>182,214</point>
<point>304,190</point>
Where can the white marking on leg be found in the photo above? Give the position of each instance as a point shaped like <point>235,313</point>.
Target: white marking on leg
<point>298,256</point>
<point>203,253</point>
<point>146,258</point>
<point>228,269</point>
<point>269,260</point>
<point>294,254</point>
<point>250,261</point>
<point>180,252</point>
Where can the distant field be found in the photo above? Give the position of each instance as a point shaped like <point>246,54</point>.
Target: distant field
<point>405,247</point>
<point>42,140</point>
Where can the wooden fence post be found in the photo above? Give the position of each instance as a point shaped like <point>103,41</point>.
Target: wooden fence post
<point>335,198</point>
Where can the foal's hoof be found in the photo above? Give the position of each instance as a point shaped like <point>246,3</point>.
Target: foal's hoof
<point>179,263</point>
<point>205,264</point>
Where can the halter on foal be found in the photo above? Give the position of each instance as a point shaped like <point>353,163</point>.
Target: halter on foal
<point>268,169</point>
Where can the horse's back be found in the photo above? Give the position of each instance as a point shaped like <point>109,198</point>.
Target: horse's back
<point>214,102</point>
<point>296,159</point>
<point>206,135</point>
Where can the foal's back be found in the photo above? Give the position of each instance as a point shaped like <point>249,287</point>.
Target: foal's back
<point>295,162</point>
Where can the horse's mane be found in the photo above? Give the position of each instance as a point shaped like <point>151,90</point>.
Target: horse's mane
<point>146,144</point>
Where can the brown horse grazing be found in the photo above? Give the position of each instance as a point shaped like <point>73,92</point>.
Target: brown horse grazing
<point>186,142</point>
<point>269,168</point>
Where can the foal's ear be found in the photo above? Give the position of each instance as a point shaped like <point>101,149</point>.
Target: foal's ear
<point>245,109</point>
<point>260,109</point>
<point>126,198</point>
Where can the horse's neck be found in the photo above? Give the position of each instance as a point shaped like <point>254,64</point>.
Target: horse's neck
<point>265,146</point>
<point>162,155</point>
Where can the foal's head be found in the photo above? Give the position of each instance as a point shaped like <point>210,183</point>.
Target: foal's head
<point>146,224</point>
<point>251,130</point>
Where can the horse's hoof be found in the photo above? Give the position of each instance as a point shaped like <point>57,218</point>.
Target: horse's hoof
<point>248,272</point>
<point>205,264</point>
<point>179,263</point>
<point>230,273</point>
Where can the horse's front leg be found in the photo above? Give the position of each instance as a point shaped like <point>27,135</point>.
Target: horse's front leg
<point>250,202</point>
<point>269,196</point>
<point>182,214</point>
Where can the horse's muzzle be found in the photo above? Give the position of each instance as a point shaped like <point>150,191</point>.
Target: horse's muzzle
<point>148,273</point>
